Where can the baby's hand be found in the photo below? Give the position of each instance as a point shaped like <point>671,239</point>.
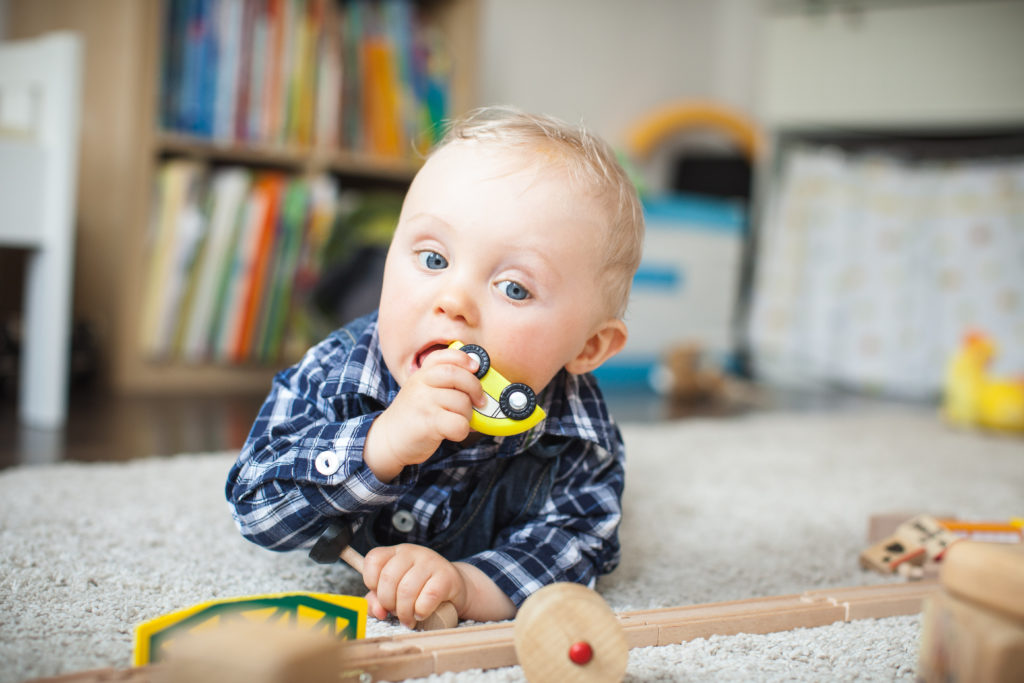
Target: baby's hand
<point>411,581</point>
<point>435,404</point>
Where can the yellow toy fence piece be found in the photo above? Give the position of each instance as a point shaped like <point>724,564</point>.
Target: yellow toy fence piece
<point>343,616</point>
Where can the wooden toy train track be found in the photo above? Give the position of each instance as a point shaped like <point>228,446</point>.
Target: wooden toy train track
<point>548,636</point>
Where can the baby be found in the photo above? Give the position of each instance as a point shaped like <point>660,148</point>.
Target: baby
<point>520,234</point>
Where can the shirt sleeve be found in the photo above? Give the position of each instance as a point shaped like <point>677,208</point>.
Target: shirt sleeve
<point>575,535</point>
<point>302,463</point>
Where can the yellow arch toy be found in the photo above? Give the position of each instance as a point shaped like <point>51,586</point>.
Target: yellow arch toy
<point>644,135</point>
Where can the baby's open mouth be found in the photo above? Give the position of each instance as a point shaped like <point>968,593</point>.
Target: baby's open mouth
<point>426,351</point>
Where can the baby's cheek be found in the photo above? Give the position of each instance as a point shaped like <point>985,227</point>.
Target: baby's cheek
<point>533,357</point>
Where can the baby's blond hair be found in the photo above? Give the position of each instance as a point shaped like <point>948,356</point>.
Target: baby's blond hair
<point>590,162</point>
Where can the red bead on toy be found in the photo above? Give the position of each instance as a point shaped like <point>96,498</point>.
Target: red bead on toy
<point>581,652</point>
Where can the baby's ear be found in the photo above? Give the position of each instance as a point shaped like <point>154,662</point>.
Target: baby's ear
<point>604,343</point>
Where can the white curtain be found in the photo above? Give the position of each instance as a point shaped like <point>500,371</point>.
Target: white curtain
<point>872,268</point>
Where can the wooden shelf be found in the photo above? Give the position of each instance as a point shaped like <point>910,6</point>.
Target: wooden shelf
<point>289,157</point>
<point>120,152</point>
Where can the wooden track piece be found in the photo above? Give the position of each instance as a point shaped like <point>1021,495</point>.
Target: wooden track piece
<point>488,646</point>
<point>566,633</point>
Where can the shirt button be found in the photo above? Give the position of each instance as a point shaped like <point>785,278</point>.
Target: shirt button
<point>327,463</point>
<point>403,521</point>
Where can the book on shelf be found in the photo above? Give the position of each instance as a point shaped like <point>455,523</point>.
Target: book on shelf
<point>361,75</point>
<point>234,258</point>
<point>227,191</point>
<point>175,237</point>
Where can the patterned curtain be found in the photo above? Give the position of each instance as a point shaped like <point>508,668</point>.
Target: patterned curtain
<point>872,268</point>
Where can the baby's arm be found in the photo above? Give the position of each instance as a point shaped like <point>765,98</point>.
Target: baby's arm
<point>573,538</point>
<point>434,404</point>
<point>410,581</point>
<point>309,456</point>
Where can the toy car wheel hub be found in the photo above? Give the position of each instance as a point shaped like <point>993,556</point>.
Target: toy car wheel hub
<point>517,401</point>
<point>481,356</point>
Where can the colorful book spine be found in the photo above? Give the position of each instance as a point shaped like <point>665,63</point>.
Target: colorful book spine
<point>263,239</point>
<point>227,192</point>
<point>175,233</point>
<point>368,76</point>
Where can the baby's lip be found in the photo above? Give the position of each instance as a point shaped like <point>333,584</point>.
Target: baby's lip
<point>426,350</point>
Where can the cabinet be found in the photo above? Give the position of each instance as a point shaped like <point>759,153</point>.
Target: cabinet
<point>121,147</point>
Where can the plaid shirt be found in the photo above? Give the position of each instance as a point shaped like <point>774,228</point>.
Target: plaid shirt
<point>302,464</point>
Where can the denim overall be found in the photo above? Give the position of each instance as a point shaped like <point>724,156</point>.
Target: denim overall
<point>511,491</point>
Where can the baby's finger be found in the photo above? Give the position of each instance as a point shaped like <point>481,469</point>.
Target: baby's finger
<point>452,357</point>
<point>452,423</point>
<point>445,374</point>
<point>373,606</point>
<point>408,594</point>
<point>373,563</point>
<point>436,590</point>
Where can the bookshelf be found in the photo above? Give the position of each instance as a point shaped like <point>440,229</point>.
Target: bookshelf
<point>122,147</point>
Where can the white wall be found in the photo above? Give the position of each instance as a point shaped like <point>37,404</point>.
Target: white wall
<point>607,62</point>
<point>914,65</point>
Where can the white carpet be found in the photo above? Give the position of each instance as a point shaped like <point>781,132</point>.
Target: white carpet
<point>715,510</point>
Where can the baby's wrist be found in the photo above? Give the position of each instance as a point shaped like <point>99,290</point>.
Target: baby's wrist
<point>378,453</point>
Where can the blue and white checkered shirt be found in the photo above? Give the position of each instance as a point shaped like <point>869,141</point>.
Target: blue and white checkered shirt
<point>302,465</point>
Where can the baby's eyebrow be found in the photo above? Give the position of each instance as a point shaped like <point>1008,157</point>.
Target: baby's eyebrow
<point>424,217</point>
<point>535,261</point>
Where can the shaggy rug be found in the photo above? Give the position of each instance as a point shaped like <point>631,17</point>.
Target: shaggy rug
<point>715,509</point>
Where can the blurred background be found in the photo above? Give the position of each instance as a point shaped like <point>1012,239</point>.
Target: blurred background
<point>192,192</point>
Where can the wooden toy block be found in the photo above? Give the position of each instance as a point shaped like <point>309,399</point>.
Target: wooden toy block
<point>914,542</point>
<point>884,525</point>
<point>961,641</point>
<point>925,530</point>
<point>889,553</point>
<point>989,574</point>
<point>251,652</point>
<point>974,629</point>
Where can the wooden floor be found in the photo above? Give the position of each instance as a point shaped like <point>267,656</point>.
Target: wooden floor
<point>102,427</point>
<point>112,428</point>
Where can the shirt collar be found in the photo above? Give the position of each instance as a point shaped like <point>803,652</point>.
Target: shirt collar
<point>576,410</point>
<point>364,372</point>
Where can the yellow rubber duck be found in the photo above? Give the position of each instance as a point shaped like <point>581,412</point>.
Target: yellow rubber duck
<point>973,398</point>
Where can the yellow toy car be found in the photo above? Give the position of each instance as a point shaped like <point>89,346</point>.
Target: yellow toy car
<point>511,406</point>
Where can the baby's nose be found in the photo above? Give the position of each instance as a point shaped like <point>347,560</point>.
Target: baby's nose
<point>455,301</point>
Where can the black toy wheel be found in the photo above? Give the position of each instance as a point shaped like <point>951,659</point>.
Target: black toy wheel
<point>517,401</point>
<point>481,355</point>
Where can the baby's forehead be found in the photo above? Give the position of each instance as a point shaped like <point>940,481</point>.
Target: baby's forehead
<point>544,159</point>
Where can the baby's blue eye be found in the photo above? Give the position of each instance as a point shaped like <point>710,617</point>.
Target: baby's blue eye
<point>432,260</point>
<point>514,290</point>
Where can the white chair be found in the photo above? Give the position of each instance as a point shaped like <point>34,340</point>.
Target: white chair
<point>40,101</point>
